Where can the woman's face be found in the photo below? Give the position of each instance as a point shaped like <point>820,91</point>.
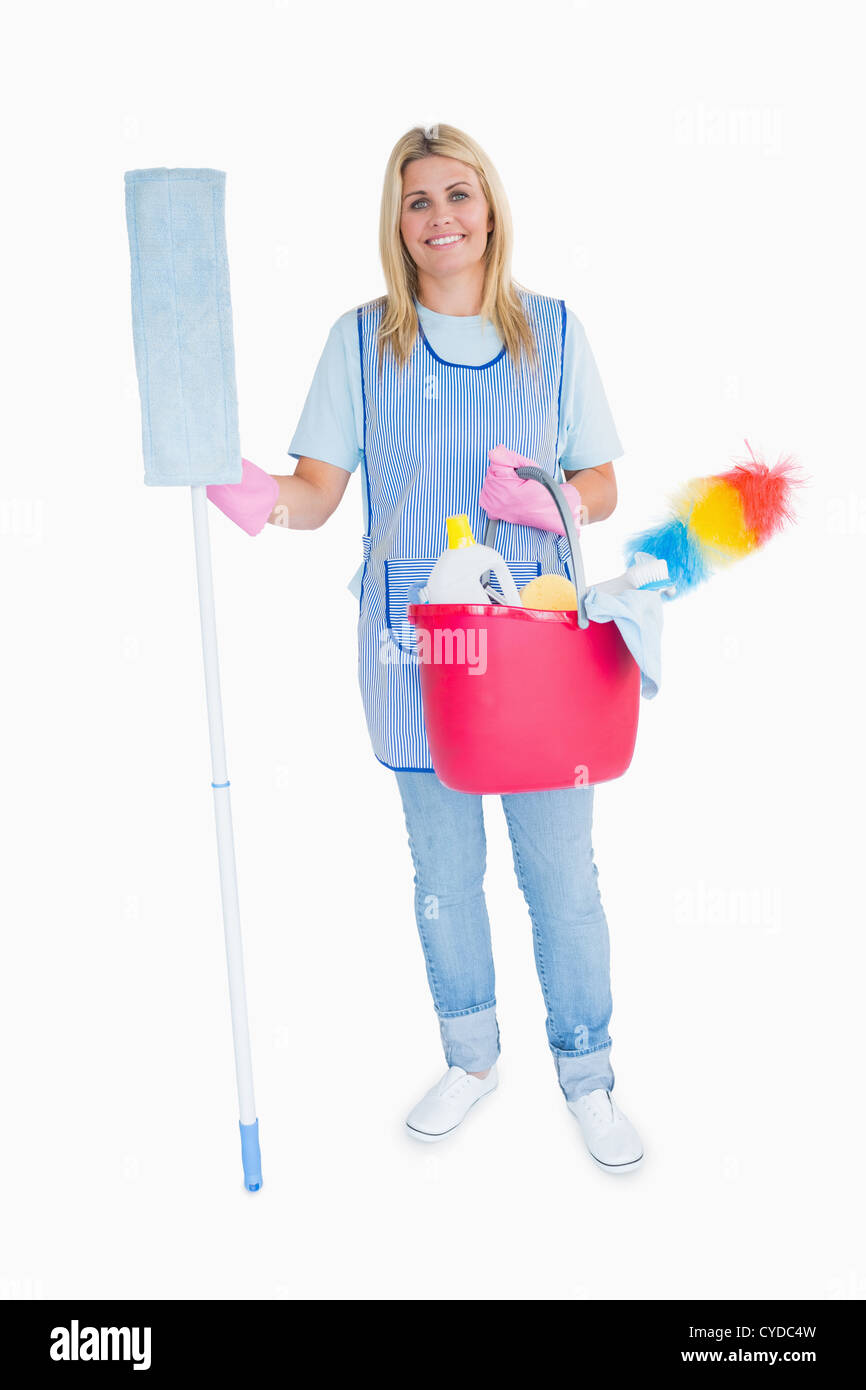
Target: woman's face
<point>445,217</point>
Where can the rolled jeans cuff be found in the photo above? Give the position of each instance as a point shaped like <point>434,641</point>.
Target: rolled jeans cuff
<point>471,1040</point>
<point>580,1073</point>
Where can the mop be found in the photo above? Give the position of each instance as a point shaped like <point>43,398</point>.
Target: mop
<point>184,358</point>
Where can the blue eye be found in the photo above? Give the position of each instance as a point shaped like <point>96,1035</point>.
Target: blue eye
<point>456,193</point>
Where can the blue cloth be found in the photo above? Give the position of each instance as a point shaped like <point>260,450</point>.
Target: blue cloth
<point>331,426</point>
<point>182,326</point>
<point>638,615</point>
<point>427,437</point>
<point>551,839</point>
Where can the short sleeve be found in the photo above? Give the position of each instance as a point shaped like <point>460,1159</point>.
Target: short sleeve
<point>588,435</point>
<point>329,428</point>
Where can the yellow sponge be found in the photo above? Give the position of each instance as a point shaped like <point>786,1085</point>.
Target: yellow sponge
<point>549,591</point>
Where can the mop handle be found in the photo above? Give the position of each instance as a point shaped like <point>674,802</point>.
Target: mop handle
<point>249,1125</point>
<point>539,476</point>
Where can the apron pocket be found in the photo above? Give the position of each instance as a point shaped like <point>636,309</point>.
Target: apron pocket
<point>403,579</point>
<point>521,572</point>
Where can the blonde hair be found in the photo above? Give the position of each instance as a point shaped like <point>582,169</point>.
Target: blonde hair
<point>500,304</point>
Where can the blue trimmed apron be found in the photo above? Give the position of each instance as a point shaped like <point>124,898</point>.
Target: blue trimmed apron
<point>427,436</point>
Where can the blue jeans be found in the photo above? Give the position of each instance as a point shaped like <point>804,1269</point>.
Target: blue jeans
<point>551,840</point>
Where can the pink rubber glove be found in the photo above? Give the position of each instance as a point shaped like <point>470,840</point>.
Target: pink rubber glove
<point>509,498</point>
<point>249,502</point>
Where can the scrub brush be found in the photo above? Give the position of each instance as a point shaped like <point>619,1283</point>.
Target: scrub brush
<point>645,572</point>
<point>555,592</point>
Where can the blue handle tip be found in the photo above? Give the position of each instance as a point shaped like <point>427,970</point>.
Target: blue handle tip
<point>251,1156</point>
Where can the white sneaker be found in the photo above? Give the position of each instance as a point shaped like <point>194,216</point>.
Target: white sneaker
<point>446,1104</point>
<point>612,1139</point>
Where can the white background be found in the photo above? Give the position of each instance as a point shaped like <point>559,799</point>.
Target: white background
<point>688,178</point>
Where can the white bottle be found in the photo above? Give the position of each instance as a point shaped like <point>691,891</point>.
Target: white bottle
<point>456,576</point>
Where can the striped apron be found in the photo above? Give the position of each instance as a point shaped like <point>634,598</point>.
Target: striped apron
<point>427,436</point>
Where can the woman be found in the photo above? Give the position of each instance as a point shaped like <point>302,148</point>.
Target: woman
<point>418,387</point>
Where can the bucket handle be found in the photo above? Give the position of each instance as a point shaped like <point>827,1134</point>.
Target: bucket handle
<point>539,476</point>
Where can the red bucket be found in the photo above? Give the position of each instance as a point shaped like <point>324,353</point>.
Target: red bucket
<point>524,699</point>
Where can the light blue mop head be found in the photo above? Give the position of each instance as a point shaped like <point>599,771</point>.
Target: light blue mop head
<point>182,326</point>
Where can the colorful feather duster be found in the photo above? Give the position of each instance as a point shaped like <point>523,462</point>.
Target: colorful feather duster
<point>715,521</point>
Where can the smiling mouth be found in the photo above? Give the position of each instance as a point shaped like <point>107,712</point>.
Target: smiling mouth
<point>454,240</point>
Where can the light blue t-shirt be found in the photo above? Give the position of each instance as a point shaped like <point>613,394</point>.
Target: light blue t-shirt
<point>331,427</point>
